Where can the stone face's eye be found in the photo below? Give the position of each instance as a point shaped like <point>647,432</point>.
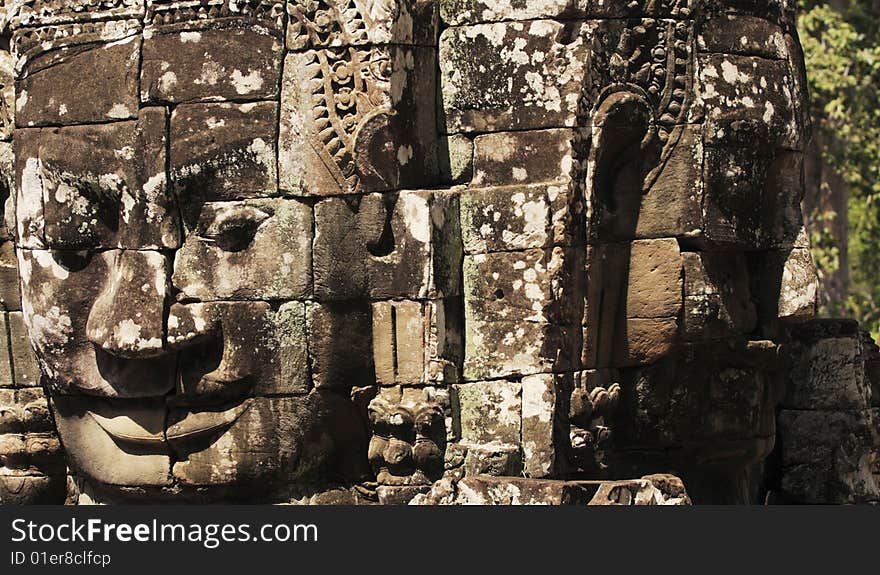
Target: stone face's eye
<point>72,261</point>
<point>234,230</point>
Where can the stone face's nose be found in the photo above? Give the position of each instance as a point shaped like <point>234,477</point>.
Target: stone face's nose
<point>127,317</point>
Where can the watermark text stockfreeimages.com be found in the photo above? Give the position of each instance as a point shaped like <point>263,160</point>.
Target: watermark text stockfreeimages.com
<point>210,535</point>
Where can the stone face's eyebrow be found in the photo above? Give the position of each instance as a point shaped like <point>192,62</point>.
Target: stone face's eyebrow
<point>224,151</point>
<point>99,186</point>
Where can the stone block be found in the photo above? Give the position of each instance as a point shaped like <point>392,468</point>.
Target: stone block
<point>238,62</point>
<point>10,295</point>
<point>121,330</point>
<point>513,75</point>
<point>77,86</point>
<point>340,345</point>
<point>828,374</point>
<point>798,293</point>
<point>340,248</point>
<point>714,400</point>
<point>489,411</point>
<point>503,348</point>
<point>224,151</point>
<point>752,196</point>
<point>42,12</point>
<point>515,218</point>
<point>493,459</point>
<point>827,456</point>
<point>339,24</point>
<point>633,299</point>
<point>416,342</point>
<point>24,361</point>
<point>6,377</point>
<point>394,495</point>
<point>655,285</point>
<point>672,206</point>
<point>418,253</point>
<point>644,341</point>
<point>522,286</point>
<point>387,246</point>
<point>743,34</point>
<point>101,186</point>
<point>718,300</point>
<point>456,159</point>
<point>487,490</point>
<point>527,157</point>
<point>650,490</point>
<point>745,98</point>
<point>458,12</point>
<point>538,422</point>
<point>398,342</point>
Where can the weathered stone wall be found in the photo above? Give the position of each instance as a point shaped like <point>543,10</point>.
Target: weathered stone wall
<point>829,432</point>
<point>638,166</point>
<point>32,468</point>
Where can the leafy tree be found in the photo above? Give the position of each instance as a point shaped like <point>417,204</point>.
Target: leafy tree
<point>842,48</point>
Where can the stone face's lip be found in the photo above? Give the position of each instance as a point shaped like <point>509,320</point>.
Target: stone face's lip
<point>129,428</point>
<point>201,423</point>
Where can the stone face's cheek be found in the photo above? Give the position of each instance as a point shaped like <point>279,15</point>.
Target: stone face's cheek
<point>277,440</point>
<point>233,349</point>
<point>56,309</point>
<point>251,250</point>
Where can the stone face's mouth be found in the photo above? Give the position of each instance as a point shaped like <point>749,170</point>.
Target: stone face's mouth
<point>154,427</point>
<point>196,424</point>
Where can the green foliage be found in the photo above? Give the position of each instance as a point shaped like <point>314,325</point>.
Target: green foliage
<point>842,50</point>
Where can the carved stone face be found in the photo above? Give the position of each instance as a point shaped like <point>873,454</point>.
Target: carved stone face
<point>187,334</point>
<point>247,239</point>
<point>658,147</point>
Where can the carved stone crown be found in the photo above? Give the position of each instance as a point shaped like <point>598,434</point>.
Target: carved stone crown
<point>21,13</point>
<point>161,12</point>
<point>37,13</point>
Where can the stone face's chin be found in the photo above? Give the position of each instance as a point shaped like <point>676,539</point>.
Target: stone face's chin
<point>119,444</point>
<point>94,452</point>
